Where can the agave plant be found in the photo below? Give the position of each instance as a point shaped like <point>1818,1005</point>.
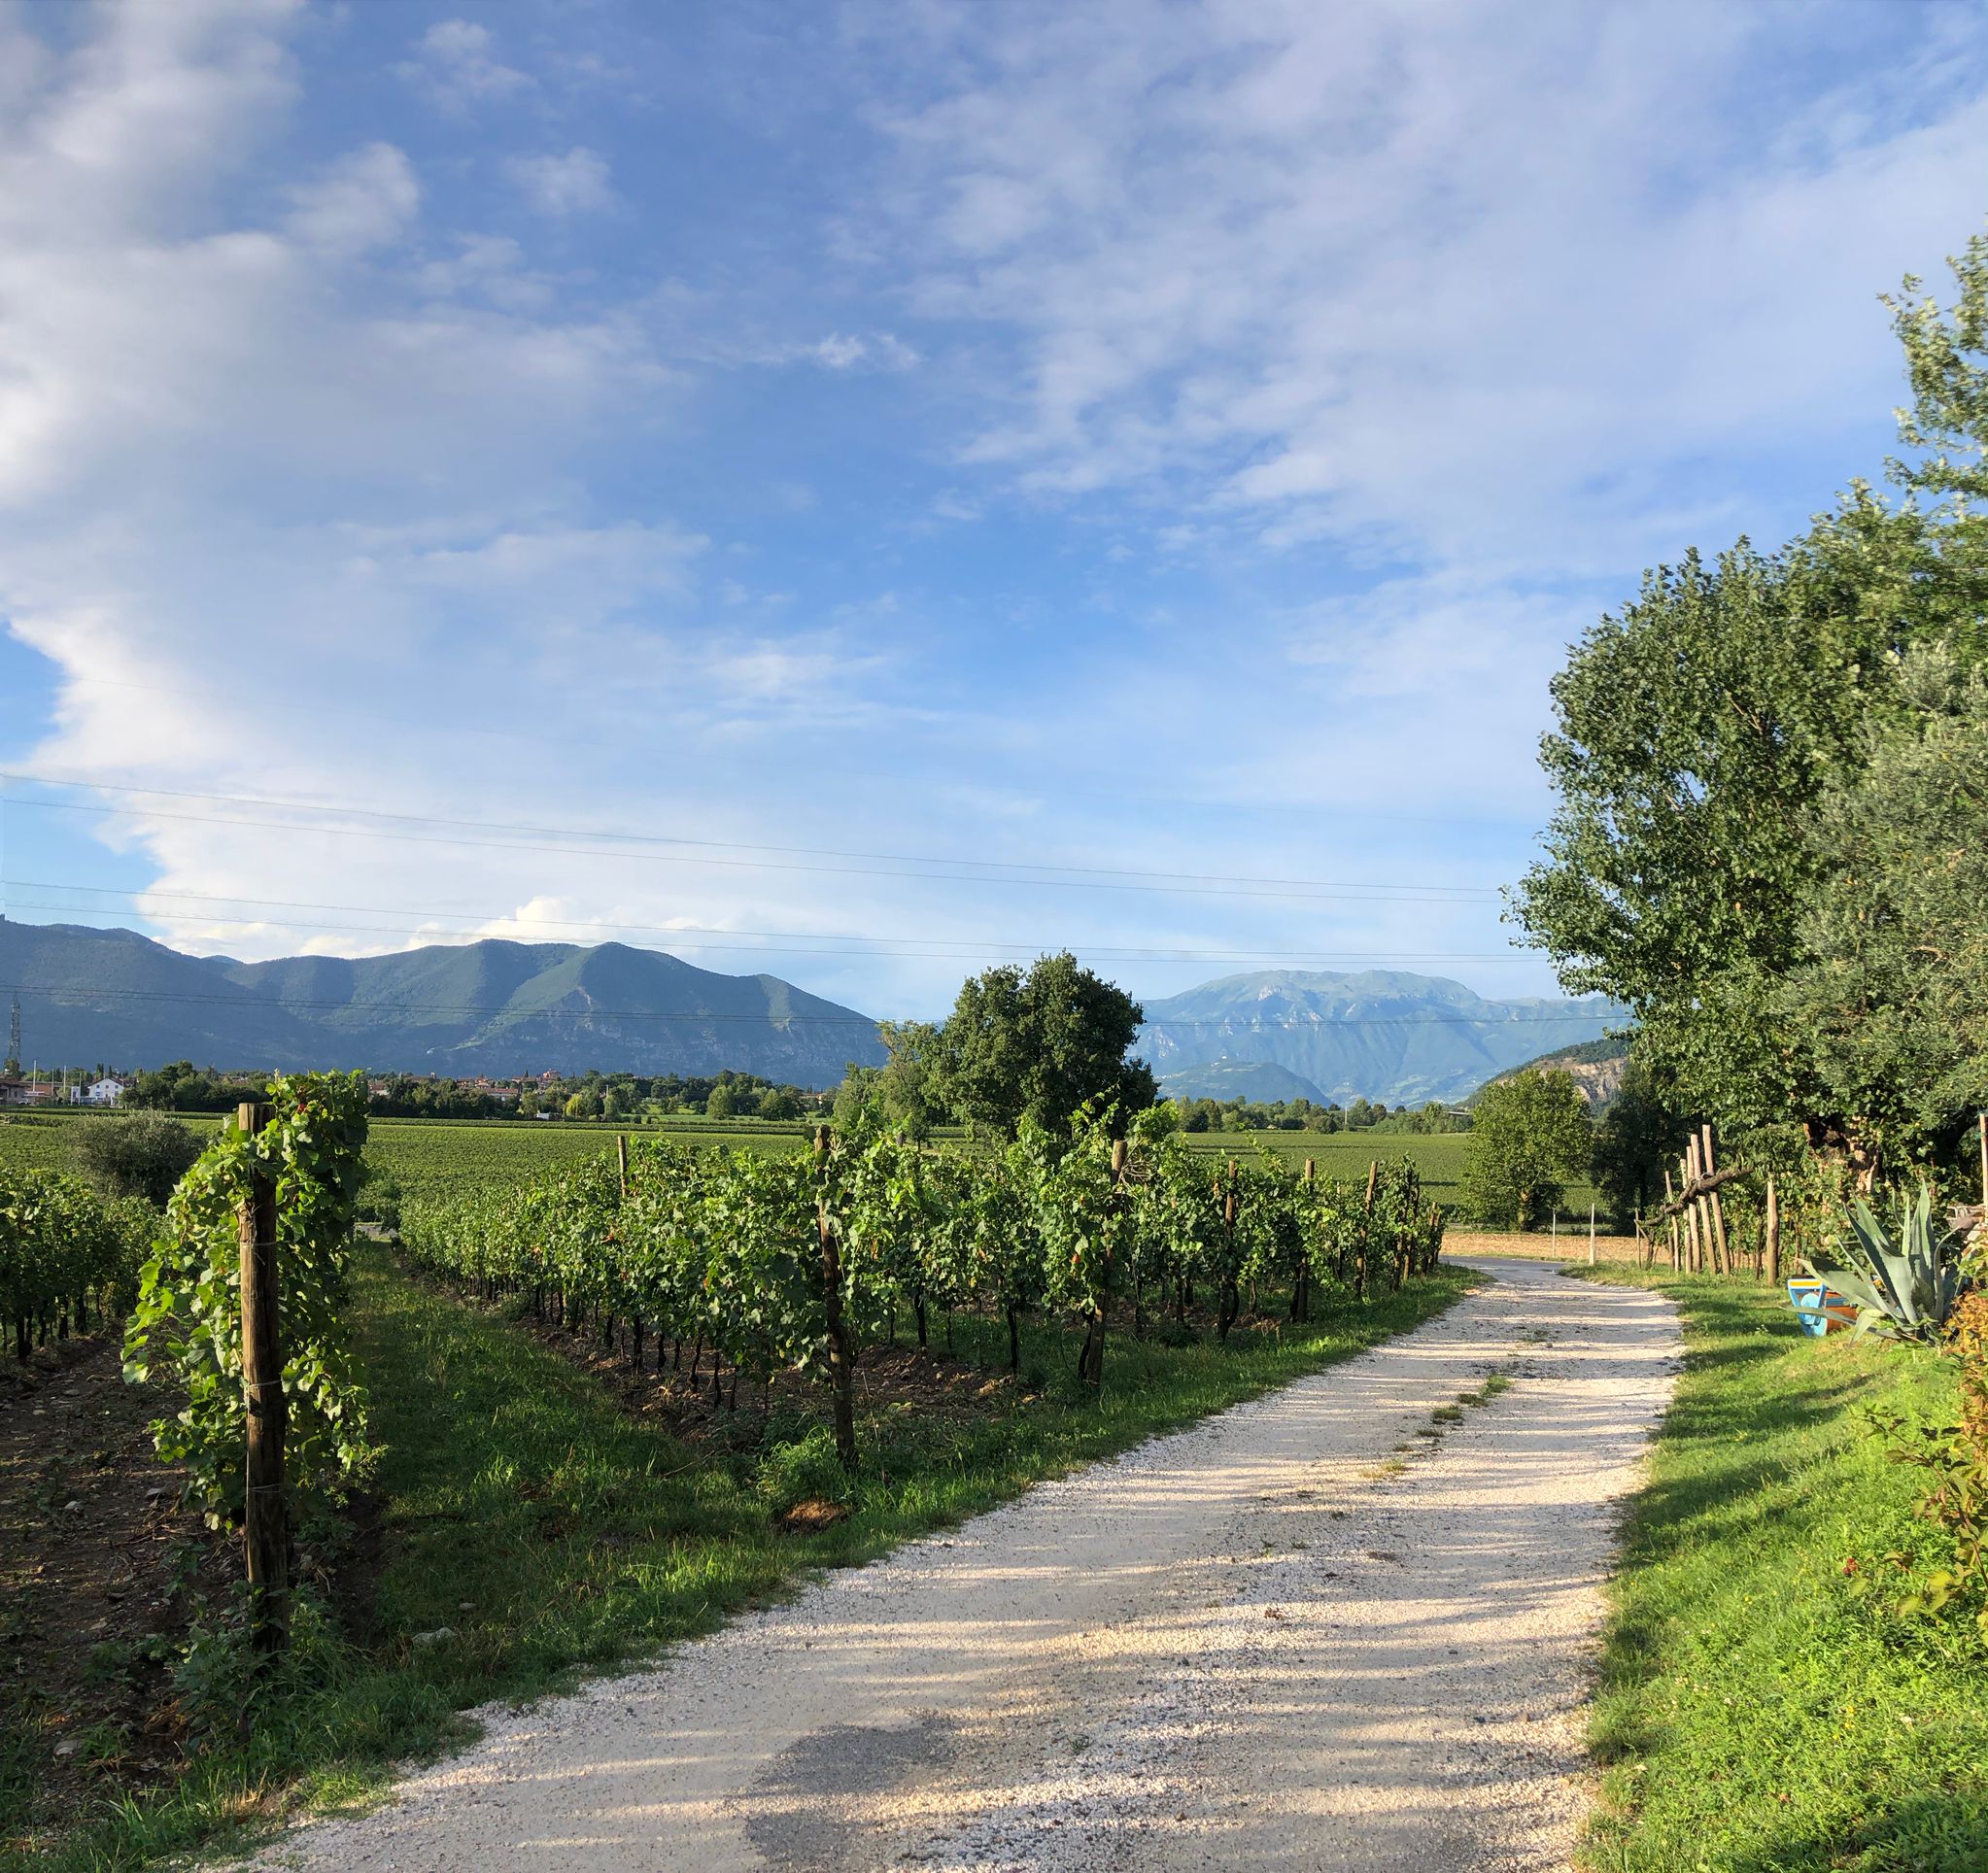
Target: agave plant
<point>1903,1282</point>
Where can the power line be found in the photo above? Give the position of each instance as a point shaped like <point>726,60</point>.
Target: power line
<point>963,870</point>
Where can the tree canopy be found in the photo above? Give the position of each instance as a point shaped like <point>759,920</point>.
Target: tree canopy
<point>1037,1044</point>
<point>1531,1137</point>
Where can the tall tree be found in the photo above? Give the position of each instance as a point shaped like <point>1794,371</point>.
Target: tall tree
<point>1038,1043</point>
<point>1894,989</point>
<point>1529,1138</point>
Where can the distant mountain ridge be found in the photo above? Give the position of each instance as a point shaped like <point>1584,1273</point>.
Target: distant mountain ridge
<point>1377,1033</point>
<point>485,1007</point>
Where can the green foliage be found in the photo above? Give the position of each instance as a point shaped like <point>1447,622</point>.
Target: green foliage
<point>187,1319</point>
<point>1765,838</point>
<point>68,1256</point>
<point>1531,1137</point>
<point>142,1155</point>
<point>1639,1133</point>
<point>1038,1044</point>
<point>1893,989</point>
<point>721,1248</point>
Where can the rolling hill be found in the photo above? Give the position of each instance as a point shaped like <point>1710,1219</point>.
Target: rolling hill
<point>1378,1035</point>
<point>488,1007</point>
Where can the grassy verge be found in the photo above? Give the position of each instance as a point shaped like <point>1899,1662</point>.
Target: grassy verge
<point>528,1528</point>
<point>1756,1711</point>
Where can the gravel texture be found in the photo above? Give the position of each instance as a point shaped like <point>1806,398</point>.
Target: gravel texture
<point>1258,1643</point>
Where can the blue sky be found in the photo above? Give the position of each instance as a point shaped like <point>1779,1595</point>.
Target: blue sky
<point>670,472</point>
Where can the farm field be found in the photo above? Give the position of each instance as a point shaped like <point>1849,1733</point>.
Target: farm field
<point>1438,1157</point>
<point>425,1157</point>
<point>434,1157</point>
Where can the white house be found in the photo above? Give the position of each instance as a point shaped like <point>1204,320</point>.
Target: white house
<point>103,1092</point>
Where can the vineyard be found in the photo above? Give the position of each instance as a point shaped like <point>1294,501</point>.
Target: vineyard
<point>792,1261</point>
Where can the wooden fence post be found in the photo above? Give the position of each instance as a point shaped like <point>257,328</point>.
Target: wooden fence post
<point>621,1155</point>
<point>1591,1234</point>
<point>1773,1232</point>
<point>1359,1267</point>
<point>265,1517</point>
<point>1688,1172</point>
<point>1725,1263</point>
<point>1670,1221</point>
<point>841,1379</point>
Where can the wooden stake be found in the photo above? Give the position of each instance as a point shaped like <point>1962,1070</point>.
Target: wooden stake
<point>1718,1209</point>
<point>621,1154</point>
<point>1773,1232</point>
<point>1591,1234</point>
<point>1670,1197</point>
<point>1688,1170</point>
<point>840,1378</point>
<point>265,1518</point>
<point>1359,1267</point>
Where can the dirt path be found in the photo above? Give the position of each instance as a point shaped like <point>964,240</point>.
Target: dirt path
<point>1254,1644</point>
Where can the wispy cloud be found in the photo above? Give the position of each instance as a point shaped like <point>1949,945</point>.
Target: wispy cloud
<point>573,183</point>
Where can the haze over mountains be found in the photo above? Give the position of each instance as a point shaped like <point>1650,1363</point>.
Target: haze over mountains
<point>1380,1034</point>
<point>503,1008</point>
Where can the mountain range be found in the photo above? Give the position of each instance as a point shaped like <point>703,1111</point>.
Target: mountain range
<point>485,1007</point>
<point>502,1007</point>
<point>1380,1034</point>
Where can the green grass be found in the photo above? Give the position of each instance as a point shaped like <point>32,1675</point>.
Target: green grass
<point>1755,1711</point>
<point>428,1157</point>
<point>550,1533</point>
<point>1437,1156</point>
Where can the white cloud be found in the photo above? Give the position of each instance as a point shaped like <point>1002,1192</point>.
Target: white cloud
<point>367,199</point>
<point>457,63</point>
<point>574,184</point>
<point>1415,277</point>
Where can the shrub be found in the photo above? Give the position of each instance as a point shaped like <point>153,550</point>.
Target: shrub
<point>144,1156</point>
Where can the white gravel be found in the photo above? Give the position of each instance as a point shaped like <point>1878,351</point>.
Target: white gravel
<point>1244,1645</point>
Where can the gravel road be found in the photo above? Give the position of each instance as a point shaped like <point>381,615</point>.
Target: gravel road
<point>1255,1644</point>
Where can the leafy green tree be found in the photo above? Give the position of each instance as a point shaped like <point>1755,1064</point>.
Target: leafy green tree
<point>779,1102</point>
<point>1893,990</point>
<point>1698,731</point>
<point>144,1156</point>
<point>1638,1134</point>
<point>720,1102</point>
<point>1532,1134</point>
<point>906,1084</point>
<point>1040,1043</point>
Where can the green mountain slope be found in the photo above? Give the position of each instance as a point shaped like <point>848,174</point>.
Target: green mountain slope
<point>493,1007</point>
<point>1378,1035</point>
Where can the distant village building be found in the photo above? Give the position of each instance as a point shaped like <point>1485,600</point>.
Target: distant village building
<point>107,1091</point>
<point>28,1092</point>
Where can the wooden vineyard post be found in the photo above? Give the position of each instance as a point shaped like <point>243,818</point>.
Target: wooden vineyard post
<point>1591,1234</point>
<point>1726,1262</point>
<point>265,1518</point>
<point>621,1157</point>
<point>1670,1221</point>
<point>840,1380</point>
<point>1688,1172</point>
<point>1301,1282</point>
<point>1773,1232</point>
<point>1359,1267</point>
